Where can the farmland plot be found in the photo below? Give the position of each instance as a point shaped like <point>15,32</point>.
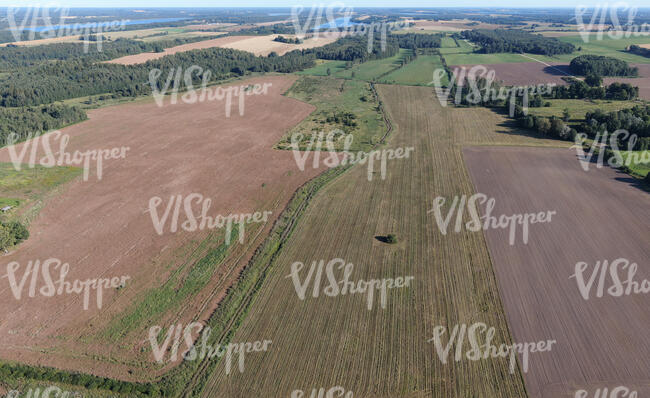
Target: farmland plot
<point>336,341</point>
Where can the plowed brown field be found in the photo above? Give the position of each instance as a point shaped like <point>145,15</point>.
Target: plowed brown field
<point>103,228</point>
<point>601,342</point>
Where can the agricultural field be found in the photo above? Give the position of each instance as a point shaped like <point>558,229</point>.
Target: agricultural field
<point>174,276</point>
<point>375,69</point>
<point>578,108</point>
<point>605,46</point>
<point>454,281</point>
<point>418,72</point>
<point>264,45</point>
<point>335,98</point>
<point>533,180</point>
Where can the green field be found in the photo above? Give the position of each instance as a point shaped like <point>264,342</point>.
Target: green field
<point>416,73</point>
<point>372,70</point>
<point>578,108</point>
<point>26,189</point>
<point>333,96</point>
<point>322,66</point>
<point>607,46</point>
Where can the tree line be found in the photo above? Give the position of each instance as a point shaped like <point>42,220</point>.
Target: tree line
<point>516,41</point>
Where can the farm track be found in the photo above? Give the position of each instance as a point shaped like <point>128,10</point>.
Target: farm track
<point>321,342</point>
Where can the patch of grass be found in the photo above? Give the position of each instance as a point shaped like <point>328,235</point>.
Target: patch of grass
<point>418,72</point>
<point>637,166</point>
<point>332,97</point>
<point>322,66</point>
<point>185,281</point>
<point>578,108</point>
<point>372,70</point>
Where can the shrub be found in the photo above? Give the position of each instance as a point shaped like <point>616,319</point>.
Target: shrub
<point>391,238</point>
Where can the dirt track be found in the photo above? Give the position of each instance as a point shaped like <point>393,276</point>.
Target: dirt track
<point>600,341</point>
<point>102,228</point>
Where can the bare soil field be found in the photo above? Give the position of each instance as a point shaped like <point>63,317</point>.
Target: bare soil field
<point>455,25</point>
<point>103,228</point>
<point>601,342</point>
<point>264,45</point>
<point>144,57</point>
<point>382,353</point>
<point>526,73</point>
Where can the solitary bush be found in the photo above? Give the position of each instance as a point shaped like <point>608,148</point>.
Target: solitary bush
<point>391,238</point>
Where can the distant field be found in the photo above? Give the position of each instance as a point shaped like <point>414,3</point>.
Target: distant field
<point>416,73</point>
<point>606,46</point>
<point>322,66</point>
<point>150,35</point>
<point>578,108</point>
<point>264,45</point>
<point>333,96</point>
<point>371,70</point>
<point>144,57</point>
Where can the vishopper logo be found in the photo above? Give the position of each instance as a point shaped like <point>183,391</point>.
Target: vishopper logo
<point>51,286</point>
<point>47,392</point>
<point>342,285</point>
<point>466,81</point>
<point>604,141</point>
<point>603,15</point>
<point>476,333</point>
<point>192,222</point>
<point>487,221</point>
<point>173,85</point>
<point>177,334</point>
<point>617,286</point>
<point>337,21</point>
<point>334,392</point>
<point>616,392</point>
<point>85,159</point>
<point>302,149</point>
<point>38,19</point>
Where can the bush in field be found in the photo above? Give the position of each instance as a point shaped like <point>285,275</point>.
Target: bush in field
<point>391,238</point>
<point>594,80</point>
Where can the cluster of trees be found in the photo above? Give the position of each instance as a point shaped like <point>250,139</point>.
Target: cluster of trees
<point>634,49</point>
<point>288,40</point>
<point>413,41</point>
<point>21,372</point>
<point>551,126</point>
<point>358,48</point>
<point>345,118</point>
<point>12,233</point>
<point>35,120</point>
<point>635,120</point>
<point>601,65</point>
<point>516,41</point>
<point>578,89</point>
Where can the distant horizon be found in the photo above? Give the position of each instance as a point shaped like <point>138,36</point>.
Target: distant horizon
<point>510,4</point>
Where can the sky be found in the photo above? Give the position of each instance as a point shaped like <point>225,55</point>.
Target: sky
<point>347,3</point>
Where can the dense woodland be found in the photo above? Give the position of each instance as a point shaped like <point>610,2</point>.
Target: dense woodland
<point>34,120</point>
<point>602,66</point>
<point>578,89</point>
<point>516,41</point>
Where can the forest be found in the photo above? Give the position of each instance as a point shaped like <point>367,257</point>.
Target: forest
<point>516,41</point>
<point>601,65</point>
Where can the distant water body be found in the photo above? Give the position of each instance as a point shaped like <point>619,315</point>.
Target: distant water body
<point>342,22</point>
<point>103,23</point>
